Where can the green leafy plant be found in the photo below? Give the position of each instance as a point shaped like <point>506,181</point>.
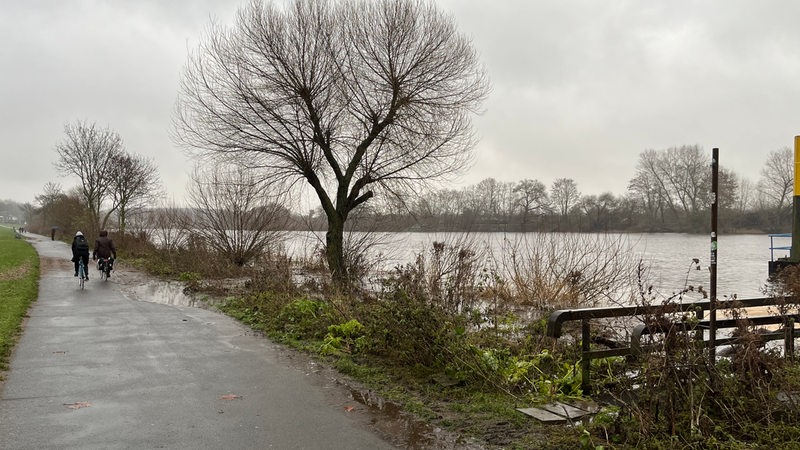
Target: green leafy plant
<point>192,280</point>
<point>587,442</point>
<point>303,318</point>
<point>346,337</point>
<point>189,276</point>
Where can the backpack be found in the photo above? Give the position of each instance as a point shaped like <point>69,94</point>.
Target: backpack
<point>81,246</point>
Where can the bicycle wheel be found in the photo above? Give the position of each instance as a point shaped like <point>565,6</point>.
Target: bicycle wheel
<point>81,275</point>
<point>103,271</point>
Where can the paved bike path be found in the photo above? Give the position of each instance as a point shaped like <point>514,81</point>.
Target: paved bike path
<point>95,369</point>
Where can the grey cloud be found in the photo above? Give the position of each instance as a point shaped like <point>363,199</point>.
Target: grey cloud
<point>580,87</point>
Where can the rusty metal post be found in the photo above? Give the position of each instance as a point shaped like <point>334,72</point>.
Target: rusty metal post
<point>712,313</point>
<point>788,343</point>
<point>585,361</point>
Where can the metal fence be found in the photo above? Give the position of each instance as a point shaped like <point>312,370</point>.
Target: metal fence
<point>640,326</point>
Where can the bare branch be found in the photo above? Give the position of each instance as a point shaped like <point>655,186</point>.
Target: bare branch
<point>358,98</point>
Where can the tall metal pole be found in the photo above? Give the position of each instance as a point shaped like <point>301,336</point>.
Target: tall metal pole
<point>712,319</point>
<point>794,254</point>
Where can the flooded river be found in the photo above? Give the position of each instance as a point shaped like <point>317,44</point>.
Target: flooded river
<point>741,267</point>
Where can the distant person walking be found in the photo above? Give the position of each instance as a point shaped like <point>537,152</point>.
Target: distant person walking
<point>80,251</point>
<point>104,248</point>
<point>53,234</point>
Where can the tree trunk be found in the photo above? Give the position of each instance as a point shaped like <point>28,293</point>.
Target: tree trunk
<point>334,250</point>
<point>121,215</point>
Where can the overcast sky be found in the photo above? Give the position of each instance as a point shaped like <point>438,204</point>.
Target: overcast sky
<point>579,88</point>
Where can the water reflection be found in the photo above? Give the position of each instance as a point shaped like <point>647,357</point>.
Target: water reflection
<point>406,431</point>
<point>165,292</point>
<point>741,268</point>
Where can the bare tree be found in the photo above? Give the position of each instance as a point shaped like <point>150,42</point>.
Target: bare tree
<point>495,198</point>
<point>564,194</point>
<point>90,153</point>
<point>134,183</point>
<point>777,179</point>
<point>441,209</point>
<point>530,196</point>
<point>599,210</point>
<point>47,200</point>
<point>50,194</point>
<point>649,194</point>
<point>676,179</point>
<point>690,176</point>
<point>234,213</point>
<point>355,98</point>
<point>745,196</point>
<point>728,189</point>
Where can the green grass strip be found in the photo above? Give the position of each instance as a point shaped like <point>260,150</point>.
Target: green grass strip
<point>19,286</point>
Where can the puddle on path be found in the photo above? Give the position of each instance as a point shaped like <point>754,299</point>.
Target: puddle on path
<point>405,431</point>
<point>166,293</point>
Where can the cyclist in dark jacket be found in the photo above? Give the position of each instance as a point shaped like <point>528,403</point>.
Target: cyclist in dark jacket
<point>80,251</point>
<point>104,248</point>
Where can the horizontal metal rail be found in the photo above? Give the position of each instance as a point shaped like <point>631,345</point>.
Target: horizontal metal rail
<point>640,330</point>
<point>584,315</point>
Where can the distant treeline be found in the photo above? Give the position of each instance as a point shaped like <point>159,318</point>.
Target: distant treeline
<point>670,192</point>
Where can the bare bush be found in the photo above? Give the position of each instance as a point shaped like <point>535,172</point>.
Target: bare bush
<point>236,213</point>
<point>446,275</point>
<point>566,270</point>
<point>170,227</point>
<point>786,287</point>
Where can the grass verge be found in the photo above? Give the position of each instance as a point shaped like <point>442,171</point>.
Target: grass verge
<point>19,286</point>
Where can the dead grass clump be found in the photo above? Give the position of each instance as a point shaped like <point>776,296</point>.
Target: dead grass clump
<point>16,273</point>
<point>556,271</point>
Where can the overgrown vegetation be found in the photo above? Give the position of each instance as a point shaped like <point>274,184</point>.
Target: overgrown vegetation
<point>458,338</point>
<point>19,275</point>
<point>677,396</point>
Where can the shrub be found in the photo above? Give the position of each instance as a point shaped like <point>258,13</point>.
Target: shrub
<point>303,319</point>
<point>408,331</point>
<point>347,337</point>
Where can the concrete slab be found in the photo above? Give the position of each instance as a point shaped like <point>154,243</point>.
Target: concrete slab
<point>563,409</point>
<point>560,412</point>
<point>543,415</point>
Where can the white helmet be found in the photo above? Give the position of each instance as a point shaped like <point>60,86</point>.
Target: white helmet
<point>78,234</point>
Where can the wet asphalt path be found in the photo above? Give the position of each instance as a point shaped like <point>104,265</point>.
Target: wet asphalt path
<point>95,369</point>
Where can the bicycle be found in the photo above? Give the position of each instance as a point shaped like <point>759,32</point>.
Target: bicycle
<point>81,273</point>
<point>104,265</point>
